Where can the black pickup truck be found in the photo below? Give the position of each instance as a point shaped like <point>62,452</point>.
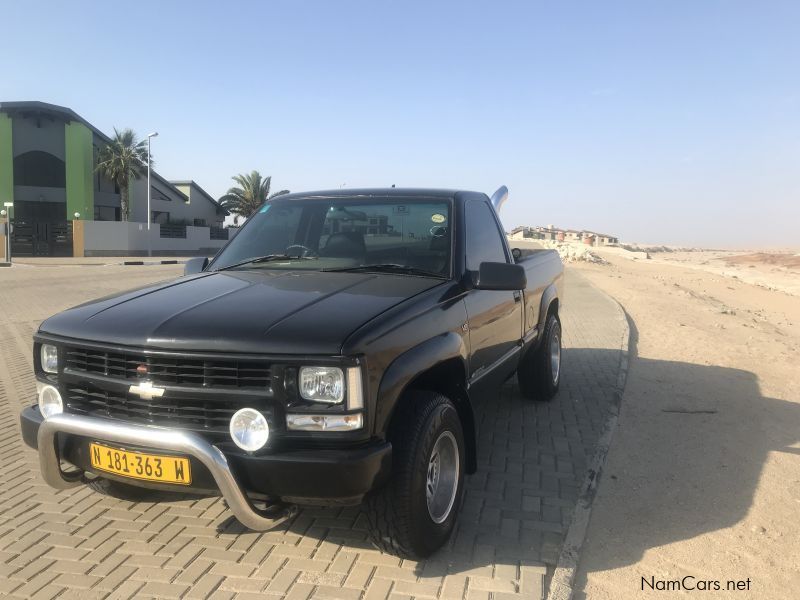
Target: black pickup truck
<point>331,353</point>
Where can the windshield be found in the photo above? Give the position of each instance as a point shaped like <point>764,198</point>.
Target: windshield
<point>344,233</point>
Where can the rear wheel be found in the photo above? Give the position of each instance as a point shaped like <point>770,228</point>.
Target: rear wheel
<point>414,514</point>
<point>539,371</point>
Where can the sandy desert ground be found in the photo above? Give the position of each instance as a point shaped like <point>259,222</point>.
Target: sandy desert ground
<point>703,475</point>
<point>771,270</point>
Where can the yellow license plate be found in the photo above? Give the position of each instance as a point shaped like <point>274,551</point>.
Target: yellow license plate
<point>138,465</point>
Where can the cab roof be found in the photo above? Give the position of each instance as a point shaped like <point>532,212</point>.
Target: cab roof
<point>374,193</point>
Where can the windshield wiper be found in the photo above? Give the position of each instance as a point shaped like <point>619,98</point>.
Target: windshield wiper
<point>263,259</point>
<point>387,268</point>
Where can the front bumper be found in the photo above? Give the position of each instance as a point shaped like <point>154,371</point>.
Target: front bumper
<point>305,475</point>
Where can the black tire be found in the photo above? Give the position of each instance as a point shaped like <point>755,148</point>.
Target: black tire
<point>398,514</point>
<point>537,377</point>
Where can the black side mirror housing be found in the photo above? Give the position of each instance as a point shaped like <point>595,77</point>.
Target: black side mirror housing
<point>195,265</point>
<point>500,276</point>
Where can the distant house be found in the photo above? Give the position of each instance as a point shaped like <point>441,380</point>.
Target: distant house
<point>532,233</point>
<point>206,211</point>
<point>518,233</point>
<point>604,239</point>
<point>558,234</point>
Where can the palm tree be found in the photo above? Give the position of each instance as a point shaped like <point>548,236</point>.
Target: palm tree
<point>249,195</point>
<point>123,159</point>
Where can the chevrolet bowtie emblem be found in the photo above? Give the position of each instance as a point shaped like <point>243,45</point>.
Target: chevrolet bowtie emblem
<point>146,391</point>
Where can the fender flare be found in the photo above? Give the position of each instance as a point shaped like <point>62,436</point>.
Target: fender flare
<point>409,365</point>
<point>549,295</point>
<point>416,361</point>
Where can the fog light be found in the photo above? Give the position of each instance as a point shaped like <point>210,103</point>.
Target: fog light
<point>324,422</point>
<point>249,429</point>
<point>49,356</point>
<point>49,400</point>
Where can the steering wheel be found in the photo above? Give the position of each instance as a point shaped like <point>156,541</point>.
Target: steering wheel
<point>305,251</point>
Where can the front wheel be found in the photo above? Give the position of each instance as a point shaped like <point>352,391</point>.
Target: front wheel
<point>414,514</point>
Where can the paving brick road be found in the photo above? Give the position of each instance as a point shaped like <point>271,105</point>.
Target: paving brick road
<point>79,544</point>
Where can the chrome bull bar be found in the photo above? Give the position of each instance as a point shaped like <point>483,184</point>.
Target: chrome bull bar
<point>158,438</point>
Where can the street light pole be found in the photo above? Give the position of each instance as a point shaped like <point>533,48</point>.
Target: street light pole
<point>149,214</point>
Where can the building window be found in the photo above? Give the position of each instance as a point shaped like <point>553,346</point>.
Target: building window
<point>199,222</point>
<point>39,169</point>
<point>160,217</point>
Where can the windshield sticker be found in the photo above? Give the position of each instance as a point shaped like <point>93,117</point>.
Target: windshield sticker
<point>437,218</point>
<point>264,208</point>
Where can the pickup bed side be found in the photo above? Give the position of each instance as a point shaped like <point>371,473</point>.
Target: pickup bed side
<point>545,275</point>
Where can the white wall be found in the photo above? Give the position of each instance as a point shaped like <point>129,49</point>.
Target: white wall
<point>116,238</point>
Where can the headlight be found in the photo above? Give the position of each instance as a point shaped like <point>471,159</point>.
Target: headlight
<point>249,429</point>
<point>49,400</point>
<point>49,356</point>
<point>322,384</point>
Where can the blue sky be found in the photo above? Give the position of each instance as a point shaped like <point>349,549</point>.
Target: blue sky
<point>666,122</point>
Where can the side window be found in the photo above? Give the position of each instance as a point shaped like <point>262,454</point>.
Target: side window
<point>484,243</point>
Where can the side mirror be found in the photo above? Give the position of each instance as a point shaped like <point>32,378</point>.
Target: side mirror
<point>500,276</point>
<point>195,265</point>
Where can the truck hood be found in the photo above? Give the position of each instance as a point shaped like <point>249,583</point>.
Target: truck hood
<point>280,312</point>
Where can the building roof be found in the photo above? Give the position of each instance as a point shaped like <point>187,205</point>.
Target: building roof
<point>205,194</point>
<point>32,107</point>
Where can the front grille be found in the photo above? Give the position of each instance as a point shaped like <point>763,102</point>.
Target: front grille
<point>171,370</point>
<point>211,415</point>
<point>200,393</point>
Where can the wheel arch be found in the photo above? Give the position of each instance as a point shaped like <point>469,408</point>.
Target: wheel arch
<point>437,365</point>
<point>549,304</point>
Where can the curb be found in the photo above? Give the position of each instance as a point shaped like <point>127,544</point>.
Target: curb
<point>567,565</point>
<point>139,263</point>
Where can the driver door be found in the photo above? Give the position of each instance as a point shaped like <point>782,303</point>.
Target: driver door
<point>495,317</point>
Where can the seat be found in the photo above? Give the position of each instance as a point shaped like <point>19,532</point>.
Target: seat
<point>347,244</point>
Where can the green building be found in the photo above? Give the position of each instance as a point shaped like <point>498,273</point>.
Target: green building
<point>47,159</point>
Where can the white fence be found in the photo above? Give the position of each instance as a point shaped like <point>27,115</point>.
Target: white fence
<point>115,238</point>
